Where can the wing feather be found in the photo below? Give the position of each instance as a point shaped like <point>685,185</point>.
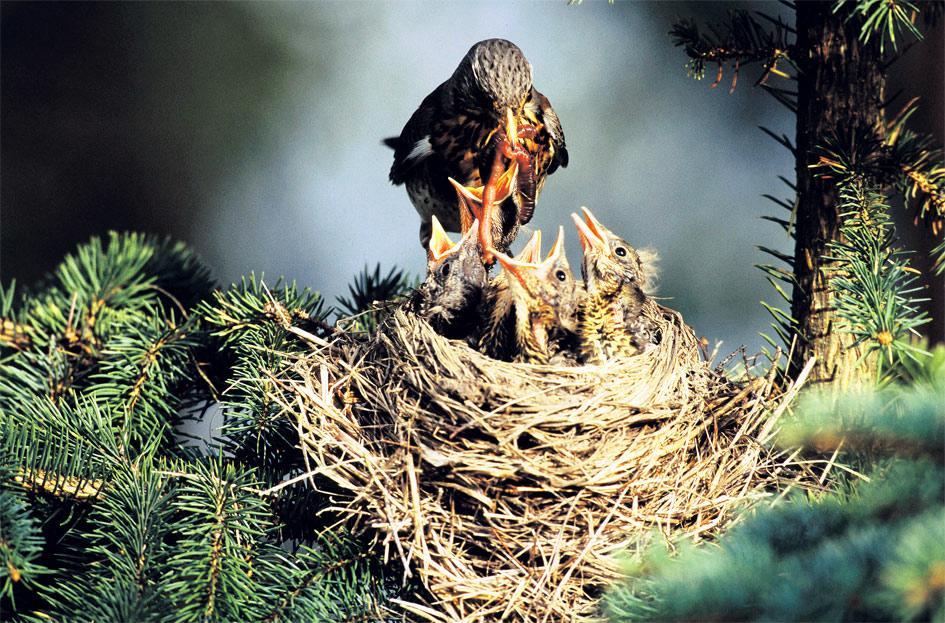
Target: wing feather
<point>411,147</point>
<point>553,126</point>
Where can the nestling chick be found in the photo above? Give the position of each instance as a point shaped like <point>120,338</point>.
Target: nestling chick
<point>497,332</point>
<point>611,320</point>
<point>450,296</point>
<point>533,315</point>
<point>565,343</point>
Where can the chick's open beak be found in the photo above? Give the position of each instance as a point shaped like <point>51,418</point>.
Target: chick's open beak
<point>558,247</point>
<point>470,204</point>
<point>591,240</point>
<point>440,243</point>
<point>514,267</point>
<point>531,252</point>
<point>470,197</point>
<point>506,183</point>
<point>602,232</point>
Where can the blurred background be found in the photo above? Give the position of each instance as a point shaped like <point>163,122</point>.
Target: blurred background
<point>252,132</point>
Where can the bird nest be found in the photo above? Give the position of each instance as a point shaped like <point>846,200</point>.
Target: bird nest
<point>511,489</point>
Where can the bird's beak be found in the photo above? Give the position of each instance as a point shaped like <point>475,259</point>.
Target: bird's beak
<point>470,197</point>
<point>511,128</point>
<point>440,243</point>
<point>545,269</point>
<point>506,183</point>
<point>470,204</point>
<point>467,193</point>
<point>514,267</point>
<point>531,252</point>
<point>602,232</point>
<point>558,248</point>
<point>470,232</point>
<point>591,237</point>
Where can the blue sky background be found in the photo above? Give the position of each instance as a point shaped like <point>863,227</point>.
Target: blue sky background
<point>252,131</point>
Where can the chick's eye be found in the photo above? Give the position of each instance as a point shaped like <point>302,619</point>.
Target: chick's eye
<point>621,252</point>
<point>445,269</point>
<point>560,275</point>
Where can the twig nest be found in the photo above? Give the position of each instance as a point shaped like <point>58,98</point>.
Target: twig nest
<point>509,488</point>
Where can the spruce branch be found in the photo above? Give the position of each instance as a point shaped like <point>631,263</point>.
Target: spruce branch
<point>874,286</point>
<point>144,370</point>
<point>243,309</point>
<point>14,335</point>
<point>742,40</point>
<point>126,548</point>
<point>254,326</point>
<point>894,421</point>
<point>896,157</point>
<point>939,253</point>
<point>336,581</point>
<point>884,19</point>
<point>107,310</point>
<point>209,576</point>
<point>918,166</point>
<point>21,545</point>
<point>96,366</point>
<point>853,554</point>
<point>70,449</point>
<point>368,292</point>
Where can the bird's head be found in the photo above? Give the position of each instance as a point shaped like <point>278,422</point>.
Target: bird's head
<point>569,291</point>
<point>533,286</point>
<point>494,75</point>
<point>609,261</point>
<point>455,273</point>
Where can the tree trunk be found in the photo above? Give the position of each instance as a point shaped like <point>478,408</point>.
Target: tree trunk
<point>840,89</point>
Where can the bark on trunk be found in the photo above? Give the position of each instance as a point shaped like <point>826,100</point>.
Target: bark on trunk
<point>840,88</point>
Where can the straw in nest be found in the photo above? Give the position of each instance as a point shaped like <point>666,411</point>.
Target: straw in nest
<point>509,488</point>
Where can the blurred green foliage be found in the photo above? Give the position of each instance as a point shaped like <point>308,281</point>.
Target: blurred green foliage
<point>107,511</point>
<point>873,549</point>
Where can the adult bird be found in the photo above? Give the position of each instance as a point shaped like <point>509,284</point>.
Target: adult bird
<point>450,296</point>
<point>485,120</point>
<point>612,323</point>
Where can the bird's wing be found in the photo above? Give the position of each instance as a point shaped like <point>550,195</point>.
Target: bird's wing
<point>632,299</point>
<point>553,127</point>
<point>413,145</point>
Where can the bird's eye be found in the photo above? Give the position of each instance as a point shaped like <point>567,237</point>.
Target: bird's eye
<point>445,269</point>
<point>560,275</point>
<point>621,252</point>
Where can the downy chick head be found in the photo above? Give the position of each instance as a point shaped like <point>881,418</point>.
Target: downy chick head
<point>569,290</point>
<point>494,75</point>
<point>455,275</point>
<point>536,299</point>
<point>609,261</point>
